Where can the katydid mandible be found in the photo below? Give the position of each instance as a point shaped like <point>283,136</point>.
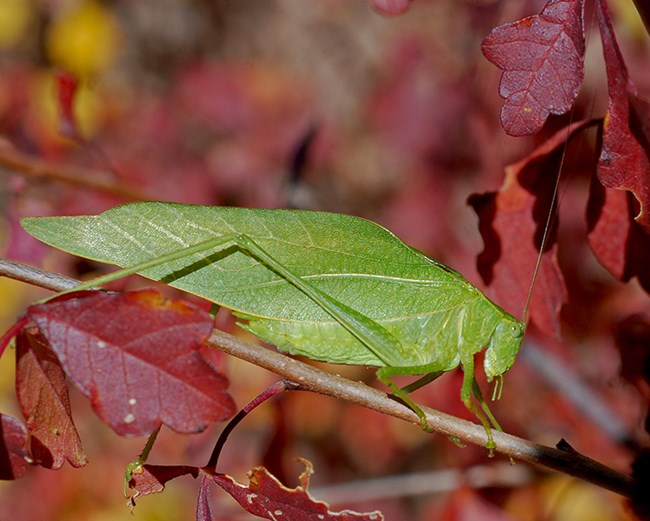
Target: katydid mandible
<point>331,287</point>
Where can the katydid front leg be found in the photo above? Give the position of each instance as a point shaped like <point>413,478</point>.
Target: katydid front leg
<point>470,387</point>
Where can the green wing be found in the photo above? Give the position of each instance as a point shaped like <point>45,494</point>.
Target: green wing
<point>354,260</point>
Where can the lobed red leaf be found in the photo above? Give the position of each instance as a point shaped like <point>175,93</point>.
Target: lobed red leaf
<point>542,59</point>
<point>13,452</point>
<point>512,222</point>
<point>267,498</point>
<point>44,399</point>
<point>137,357</point>
<point>624,163</point>
<point>151,479</point>
<point>619,242</point>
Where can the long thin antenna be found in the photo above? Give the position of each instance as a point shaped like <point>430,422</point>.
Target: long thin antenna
<point>547,227</point>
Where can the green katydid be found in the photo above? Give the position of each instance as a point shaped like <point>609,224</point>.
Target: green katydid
<point>331,287</point>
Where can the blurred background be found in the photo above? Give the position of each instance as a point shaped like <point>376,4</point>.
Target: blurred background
<point>327,105</point>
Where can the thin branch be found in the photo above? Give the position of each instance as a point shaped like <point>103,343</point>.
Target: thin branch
<point>562,459</point>
<point>35,277</point>
<point>566,460</point>
<point>22,164</point>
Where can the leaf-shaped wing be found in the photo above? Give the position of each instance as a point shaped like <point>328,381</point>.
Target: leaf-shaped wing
<point>353,260</point>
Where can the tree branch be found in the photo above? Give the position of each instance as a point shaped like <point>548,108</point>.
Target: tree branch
<point>14,161</point>
<point>562,459</point>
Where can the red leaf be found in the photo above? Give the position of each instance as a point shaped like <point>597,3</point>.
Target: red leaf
<point>624,163</point>
<point>618,241</point>
<point>203,509</point>
<point>136,356</point>
<point>632,338</point>
<point>44,399</point>
<point>512,223</point>
<point>151,479</point>
<point>13,454</point>
<point>542,59</point>
<point>267,498</point>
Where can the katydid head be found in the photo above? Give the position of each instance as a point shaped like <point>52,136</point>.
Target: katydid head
<point>503,347</point>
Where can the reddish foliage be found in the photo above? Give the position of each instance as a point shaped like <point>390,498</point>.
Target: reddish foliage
<point>43,396</point>
<point>632,337</point>
<point>624,163</point>
<point>620,243</point>
<point>142,367</point>
<point>151,479</point>
<point>619,223</point>
<point>542,58</point>
<point>203,509</point>
<point>267,498</point>
<point>512,223</point>
<point>13,453</point>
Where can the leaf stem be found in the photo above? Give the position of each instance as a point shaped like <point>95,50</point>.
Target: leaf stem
<point>270,392</point>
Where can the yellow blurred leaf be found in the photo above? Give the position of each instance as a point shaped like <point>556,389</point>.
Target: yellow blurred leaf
<point>84,39</point>
<point>15,16</point>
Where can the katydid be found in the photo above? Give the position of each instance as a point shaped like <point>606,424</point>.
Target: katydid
<point>331,287</point>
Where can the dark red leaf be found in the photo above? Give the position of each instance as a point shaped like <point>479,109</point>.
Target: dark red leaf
<point>624,163</point>
<point>136,356</point>
<point>542,59</point>
<point>203,509</point>
<point>632,338</point>
<point>44,399</point>
<point>512,223</point>
<point>13,453</point>
<point>151,479</point>
<point>267,498</point>
<point>618,241</point>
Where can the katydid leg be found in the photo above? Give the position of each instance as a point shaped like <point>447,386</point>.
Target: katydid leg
<point>384,374</point>
<point>466,391</point>
<point>421,382</point>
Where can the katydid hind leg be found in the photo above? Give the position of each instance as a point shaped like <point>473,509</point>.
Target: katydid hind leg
<point>421,382</point>
<point>174,255</point>
<point>375,337</point>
